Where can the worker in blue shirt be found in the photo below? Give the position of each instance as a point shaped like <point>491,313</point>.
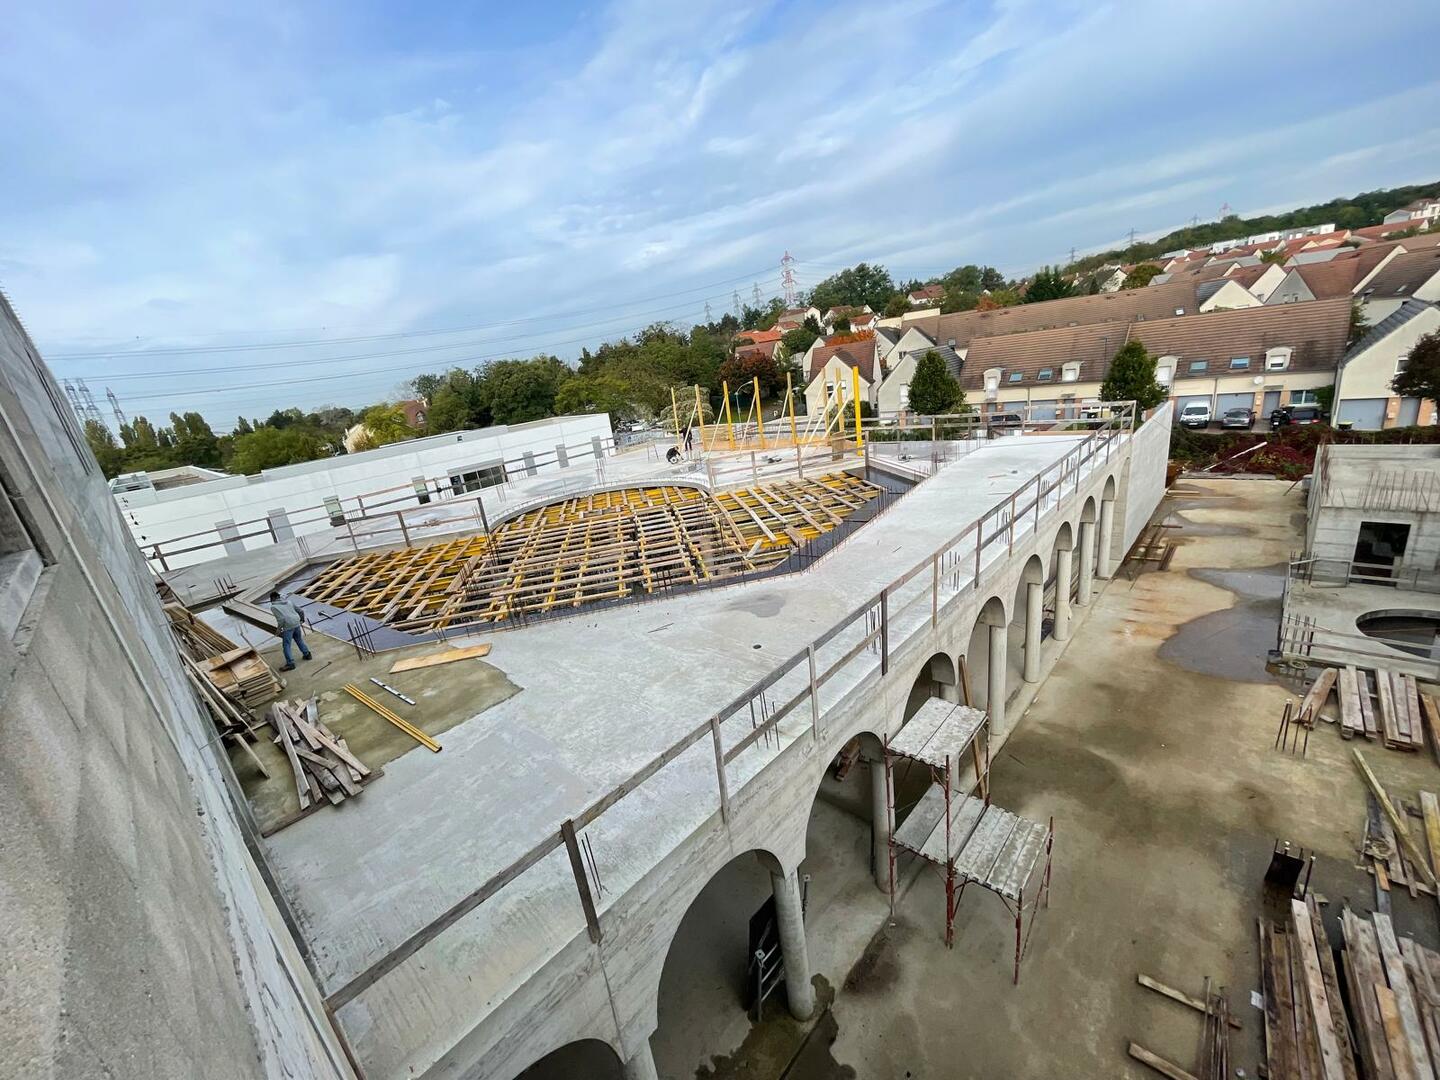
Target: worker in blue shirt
<point>288,620</point>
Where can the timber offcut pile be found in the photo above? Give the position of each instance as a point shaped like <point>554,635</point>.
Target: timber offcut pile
<point>323,766</point>
<point>1307,1032</point>
<point>1394,987</point>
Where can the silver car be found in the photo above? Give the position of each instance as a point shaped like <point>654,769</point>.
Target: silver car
<point>1238,418</point>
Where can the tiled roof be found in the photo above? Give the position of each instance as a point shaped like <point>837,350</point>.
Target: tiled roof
<point>1093,345</point>
<point>1402,275</point>
<point>1388,325</point>
<point>759,337</point>
<point>928,292</point>
<point>856,354</point>
<point>762,348</point>
<point>1379,232</point>
<point>1316,330</point>
<point>1127,305</point>
<point>1330,279</point>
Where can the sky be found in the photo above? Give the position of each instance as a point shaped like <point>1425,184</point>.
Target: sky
<point>233,208</point>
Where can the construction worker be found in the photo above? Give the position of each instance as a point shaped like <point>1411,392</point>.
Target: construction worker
<point>288,620</point>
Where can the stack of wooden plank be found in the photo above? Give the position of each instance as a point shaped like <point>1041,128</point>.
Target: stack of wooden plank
<point>324,767</point>
<point>1389,863</point>
<point>1394,991</point>
<point>1307,1032</point>
<point>1398,713</point>
<point>197,639</point>
<point>242,675</point>
<point>1400,717</point>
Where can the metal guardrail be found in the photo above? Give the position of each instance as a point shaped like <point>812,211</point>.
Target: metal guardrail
<point>1341,572</point>
<point>913,601</point>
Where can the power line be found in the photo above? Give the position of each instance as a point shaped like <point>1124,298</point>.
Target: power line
<point>551,317</point>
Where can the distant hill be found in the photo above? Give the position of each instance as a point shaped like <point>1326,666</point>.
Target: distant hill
<point>1353,212</point>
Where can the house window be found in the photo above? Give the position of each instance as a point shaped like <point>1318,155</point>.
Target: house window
<point>1070,373</point>
<point>1199,367</point>
<point>1016,376</point>
<point>476,477</point>
<point>1277,359</point>
<point>1239,363</point>
<point>904,395</point>
<point>1303,397</point>
<point>1162,376</point>
<point>992,379</point>
<point>1401,363</point>
<point>1045,374</point>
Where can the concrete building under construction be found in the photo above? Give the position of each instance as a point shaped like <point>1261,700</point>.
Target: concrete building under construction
<point>560,744</point>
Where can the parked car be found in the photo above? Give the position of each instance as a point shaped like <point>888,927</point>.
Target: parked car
<point>1195,414</point>
<point>1238,418</point>
<point>1296,414</point>
<point>1004,420</point>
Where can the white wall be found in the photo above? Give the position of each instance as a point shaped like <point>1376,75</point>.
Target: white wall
<point>157,516</point>
<point>1141,494</point>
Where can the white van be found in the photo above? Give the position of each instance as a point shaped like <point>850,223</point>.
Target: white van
<point>1195,414</point>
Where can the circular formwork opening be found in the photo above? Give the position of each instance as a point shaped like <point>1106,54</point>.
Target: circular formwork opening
<point>1410,630</point>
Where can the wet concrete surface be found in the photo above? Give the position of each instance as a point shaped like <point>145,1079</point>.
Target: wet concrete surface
<point>1150,744</point>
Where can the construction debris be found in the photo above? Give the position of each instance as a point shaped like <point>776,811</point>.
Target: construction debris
<point>1394,994</point>
<point>1398,714</point>
<point>324,767</point>
<point>237,671</point>
<point>400,722</point>
<point>1215,1043</point>
<point>606,545</point>
<point>449,656</point>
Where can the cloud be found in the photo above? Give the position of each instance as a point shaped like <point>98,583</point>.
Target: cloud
<point>223,174</point>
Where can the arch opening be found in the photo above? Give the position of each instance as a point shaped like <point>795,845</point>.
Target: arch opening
<point>584,1059</point>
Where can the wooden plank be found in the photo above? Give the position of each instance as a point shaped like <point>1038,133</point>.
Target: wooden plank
<point>1367,709</point>
<point>1431,713</point>
<point>1404,1000</point>
<point>1363,970</point>
<point>1384,690</point>
<point>449,656</point>
<point>1412,706</point>
<point>282,727</point>
<point>1179,995</point>
<point>1316,697</point>
<point>1339,1022</point>
<point>1426,997</point>
<point>1395,1034</point>
<point>1326,1040</point>
<point>1430,811</point>
<point>1279,1005</point>
<point>1159,1064</point>
<point>1350,721</point>
<point>1402,831</point>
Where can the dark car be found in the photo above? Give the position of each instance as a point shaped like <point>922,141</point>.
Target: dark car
<point>1297,414</point>
<point>1238,418</point>
<point>1003,420</point>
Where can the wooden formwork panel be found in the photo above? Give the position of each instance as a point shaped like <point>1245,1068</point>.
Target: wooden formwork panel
<point>603,545</point>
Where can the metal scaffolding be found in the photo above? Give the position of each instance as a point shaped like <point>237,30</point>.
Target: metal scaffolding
<point>965,837</point>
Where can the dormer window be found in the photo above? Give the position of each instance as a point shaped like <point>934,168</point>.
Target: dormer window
<point>1070,372</point>
<point>992,380</point>
<point>1277,359</point>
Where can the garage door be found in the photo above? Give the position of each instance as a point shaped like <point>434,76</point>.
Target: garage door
<point>1366,414</point>
<point>1043,410</point>
<point>1236,401</point>
<point>1186,399</point>
<point>1272,402</point>
<point>1409,412</point>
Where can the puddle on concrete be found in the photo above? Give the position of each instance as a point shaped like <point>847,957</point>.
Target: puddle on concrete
<point>1203,528</point>
<point>761,605</point>
<point>781,1048</point>
<point>1232,643</point>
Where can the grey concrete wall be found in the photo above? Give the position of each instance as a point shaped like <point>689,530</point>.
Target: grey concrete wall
<point>610,991</point>
<point>1144,484</point>
<point>140,938</point>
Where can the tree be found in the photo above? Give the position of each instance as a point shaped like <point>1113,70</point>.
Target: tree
<point>857,286</point>
<point>1421,377</point>
<point>384,424</point>
<point>743,369</point>
<point>1141,276</point>
<point>1048,284</point>
<point>959,301</point>
<point>963,279</point>
<point>933,390</point>
<point>813,325</point>
<point>242,426</point>
<point>1277,257</point>
<point>1132,377</point>
<point>842,325</point>
<point>518,391</point>
<point>998,298</point>
<point>798,341</point>
<point>194,441</point>
<point>103,445</point>
<point>991,279</point>
<point>270,447</point>
<point>604,392</point>
<point>897,305</point>
<point>1359,324</point>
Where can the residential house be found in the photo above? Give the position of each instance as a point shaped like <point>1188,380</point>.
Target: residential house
<point>893,394</point>
<point>1392,231</point>
<point>857,317</point>
<point>1363,394</point>
<point>829,374</point>
<point>927,296</point>
<point>1258,358</point>
<point>1224,294</point>
<point>1053,371</point>
<point>415,410</point>
<point>1414,213</point>
<point>1260,280</point>
<point>1409,275</point>
<point>765,341</point>
<point>886,338</point>
<point>1108,278</point>
<point>794,318</point>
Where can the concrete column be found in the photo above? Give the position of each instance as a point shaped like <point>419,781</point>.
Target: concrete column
<point>792,944</point>
<point>1062,596</point>
<point>1087,562</point>
<point>950,691</point>
<point>880,815</point>
<point>641,1066</point>
<point>1034,612</point>
<point>996,677</point>
<point>1107,518</point>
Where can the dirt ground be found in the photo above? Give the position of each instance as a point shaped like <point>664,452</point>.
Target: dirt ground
<point>1151,745</point>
